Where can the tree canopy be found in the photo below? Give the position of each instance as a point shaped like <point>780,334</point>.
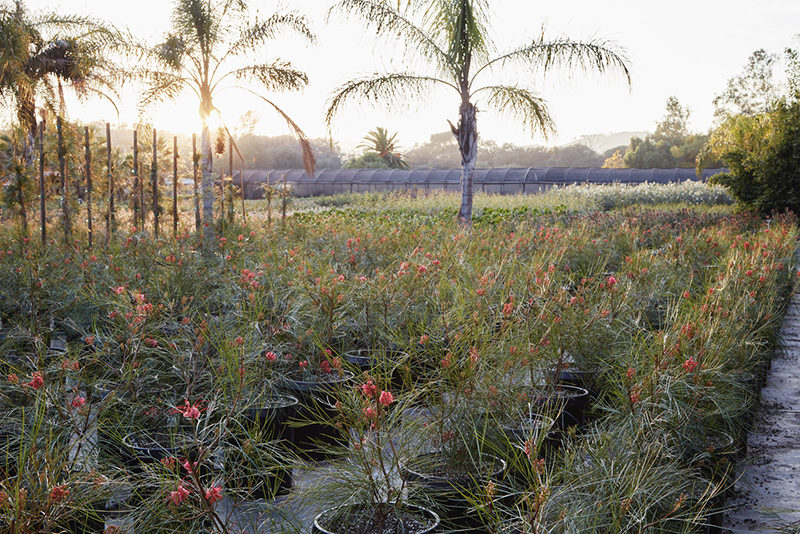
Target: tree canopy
<point>448,46</point>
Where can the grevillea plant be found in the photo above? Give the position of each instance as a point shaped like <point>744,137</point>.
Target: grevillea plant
<point>677,309</point>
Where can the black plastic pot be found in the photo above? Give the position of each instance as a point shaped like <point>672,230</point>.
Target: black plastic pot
<point>418,520</point>
<point>255,469</point>
<point>391,365</point>
<point>314,431</point>
<point>150,447</point>
<point>448,495</point>
<point>567,405</point>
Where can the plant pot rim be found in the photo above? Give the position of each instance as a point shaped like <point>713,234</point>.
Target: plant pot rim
<point>434,517</point>
<point>410,469</point>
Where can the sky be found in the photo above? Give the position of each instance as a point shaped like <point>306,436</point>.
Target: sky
<point>684,48</point>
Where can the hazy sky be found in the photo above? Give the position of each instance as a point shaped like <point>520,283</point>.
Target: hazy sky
<point>684,48</point>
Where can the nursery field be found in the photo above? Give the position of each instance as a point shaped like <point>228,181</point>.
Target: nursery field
<point>579,361</point>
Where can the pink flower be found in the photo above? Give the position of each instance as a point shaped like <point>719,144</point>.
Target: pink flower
<point>188,466</point>
<point>271,356</point>
<point>150,342</point>
<point>89,340</point>
<point>303,364</point>
<point>178,496</point>
<point>690,365</point>
<point>369,389</point>
<point>386,398</point>
<point>635,397</point>
<point>686,294</point>
<point>78,402</point>
<point>630,373</point>
<point>189,411</point>
<point>214,494</point>
<point>325,366</point>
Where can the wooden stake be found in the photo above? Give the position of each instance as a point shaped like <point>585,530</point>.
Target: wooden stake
<point>88,151</point>
<point>110,219</point>
<point>41,183</point>
<point>175,186</point>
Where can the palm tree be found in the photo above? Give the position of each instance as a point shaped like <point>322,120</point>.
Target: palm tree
<point>378,142</point>
<point>450,39</point>
<point>204,52</point>
<point>42,53</point>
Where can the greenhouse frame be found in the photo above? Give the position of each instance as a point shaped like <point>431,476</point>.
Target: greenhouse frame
<point>511,180</point>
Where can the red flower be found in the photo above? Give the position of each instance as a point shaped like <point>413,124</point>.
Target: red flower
<point>37,381</point>
<point>690,365</point>
<point>58,493</point>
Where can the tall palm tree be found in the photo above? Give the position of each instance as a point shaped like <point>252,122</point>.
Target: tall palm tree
<point>450,40</point>
<point>41,54</point>
<point>379,142</point>
<point>204,52</point>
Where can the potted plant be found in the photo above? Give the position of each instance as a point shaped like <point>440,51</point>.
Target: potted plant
<point>367,477</point>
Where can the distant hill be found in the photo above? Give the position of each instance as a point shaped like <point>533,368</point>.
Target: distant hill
<point>602,142</point>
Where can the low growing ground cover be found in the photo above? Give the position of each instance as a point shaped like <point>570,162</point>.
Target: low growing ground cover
<point>469,340</point>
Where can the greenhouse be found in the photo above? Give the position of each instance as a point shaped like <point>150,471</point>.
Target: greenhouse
<point>497,180</point>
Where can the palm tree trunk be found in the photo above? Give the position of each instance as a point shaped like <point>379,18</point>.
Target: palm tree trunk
<point>467,136</point>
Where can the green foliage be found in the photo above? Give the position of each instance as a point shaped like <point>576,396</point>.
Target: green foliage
<point>370,160</point>
<point>670,146</point>
<point>379,142</point>
<point>763,155</point>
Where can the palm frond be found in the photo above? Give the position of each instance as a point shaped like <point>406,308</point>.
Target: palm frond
<point>160,87</point>
<point>254,35</point>
<point>395,89</point>
<point>309,159</point>
<point>276,76</point>
<point>390,22</point>
<point>465,25</point>
<point>542,55</point>
<point>521,104</point>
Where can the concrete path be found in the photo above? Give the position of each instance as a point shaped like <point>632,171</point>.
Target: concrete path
<point>767,497</point>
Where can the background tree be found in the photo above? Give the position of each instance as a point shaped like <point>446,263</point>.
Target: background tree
<point>761,152</point>
<point>674,126</point>
<point>751,92</point>
<point>203,53</point>
<point>379,142</point>
<point>41,54</point>
<point>450,39</point>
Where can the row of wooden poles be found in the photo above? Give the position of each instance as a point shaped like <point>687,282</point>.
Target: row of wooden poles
<point>138,182</point>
